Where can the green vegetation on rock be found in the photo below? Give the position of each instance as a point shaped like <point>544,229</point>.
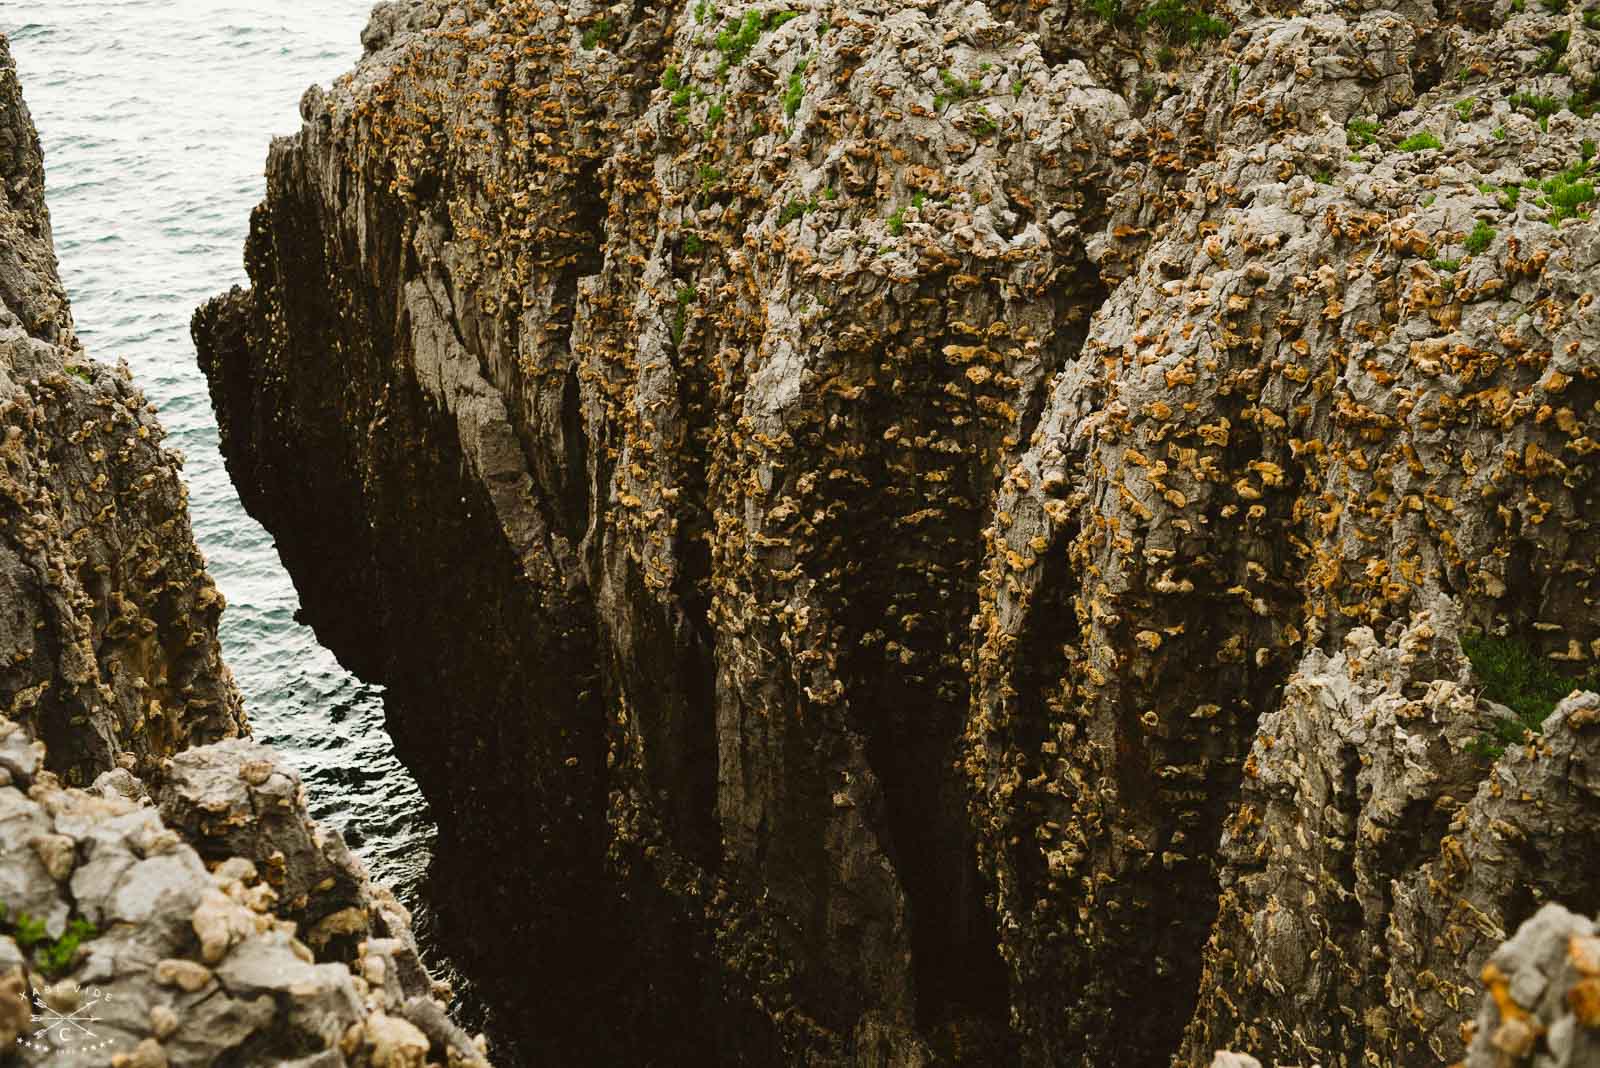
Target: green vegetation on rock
<point>52,956</point>
<point>1513,675</point>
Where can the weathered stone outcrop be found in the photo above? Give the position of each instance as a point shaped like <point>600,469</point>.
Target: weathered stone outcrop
<point>1542,1004</point>
<point>940,534</point>
<point>183,909</point>
<point>188,966</point>
<point>108,638</point>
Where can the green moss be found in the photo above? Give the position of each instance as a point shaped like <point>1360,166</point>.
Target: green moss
<point>671,80</point>
<point>796,92</point>
<point>1182,22</point>
<point>1541,105</point>
<point>1359,133</point>
<point>597,33</point>
<point>686,296</point>
<point>52,956</point>
<point>986,124</point>
<point>1441,264</point>
<point>1464,107</point>
<point>1563,194</point>
<point>1419,142</point>
<point>1555,48</point>
<point>1509,195</point>
<point>1512,674</point>
<point>1482,234</point>
<point>794,209</point>
<point>737,40</point>
<point>78,372</point>
<point>715,114</point>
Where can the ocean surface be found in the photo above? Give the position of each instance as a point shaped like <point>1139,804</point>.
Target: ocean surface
<point>155,117</point>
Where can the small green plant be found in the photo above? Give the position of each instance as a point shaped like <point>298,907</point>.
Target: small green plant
<point>52,956</point>
<point>1464,107</point>
<point>702,11</point>
<point>1017,87</point>
<point>1359,133</point>
<point>1555,7</point>
<point>736,41</point>
<point>1591,18</point>
<point>1499,133</point>
<point>710,177</point>
<point>1513,675</point>
<point>1420,142</point>
<point>692,245</point>
<point>796,92</point>
<point>986,124</point>
<point>958,88</point>
<point>794,209</point>
<point>1555,48</point>
<point>1323,177</point>
<point>715,114</point>
<point>686,296</point>
<point>596,33</point>
<point>79,372</point>
<point>830,193</point>
<point>1564,193</point>
<point>1183,23</point>
<point>1541,105</point>
<point>1450,266</point>
<point>1519,6</point>
<point>1477,241</point>
<point>1108,10</point>
<point>671,80</point>
<point>1428,200</point>
<point>897,222</point>
<point>1233,76</point>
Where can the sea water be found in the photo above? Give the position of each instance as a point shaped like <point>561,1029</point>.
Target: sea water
<point>155,117</point>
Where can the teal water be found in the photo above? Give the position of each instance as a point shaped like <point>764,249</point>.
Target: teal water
<point>155,117</point>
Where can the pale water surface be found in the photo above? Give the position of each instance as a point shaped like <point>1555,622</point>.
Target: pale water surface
<point>155,117</point>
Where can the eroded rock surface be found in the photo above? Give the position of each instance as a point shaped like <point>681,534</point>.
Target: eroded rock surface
<point>185,965</point>
<point>221,926</point>
<point>108,638</point>
<point>944,536</point>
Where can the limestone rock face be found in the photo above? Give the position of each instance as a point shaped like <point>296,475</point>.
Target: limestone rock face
<point>904,545</point>
<point>188,966</point>
<point>1542,1000</point>
<point>108,640</point>
<point>183,909</point>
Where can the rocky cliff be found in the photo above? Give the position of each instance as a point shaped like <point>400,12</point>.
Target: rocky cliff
<point>948,532</point>
<point>164,897</point>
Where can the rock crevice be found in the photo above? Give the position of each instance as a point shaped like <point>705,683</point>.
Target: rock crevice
<point>943,536</point>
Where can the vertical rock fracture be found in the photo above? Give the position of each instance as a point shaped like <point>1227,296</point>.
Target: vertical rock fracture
<point>952,532</point>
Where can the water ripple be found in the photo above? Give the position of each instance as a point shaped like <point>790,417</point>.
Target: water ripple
<point>155,117</point>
